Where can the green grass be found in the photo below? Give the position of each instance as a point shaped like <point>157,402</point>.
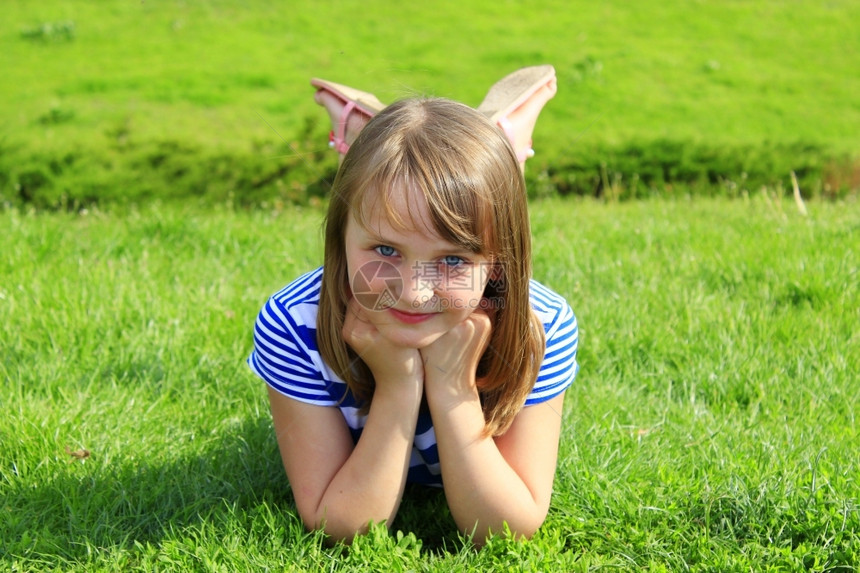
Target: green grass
<point>712,427</point>
<point>713,424</point>
<point>113,100</point>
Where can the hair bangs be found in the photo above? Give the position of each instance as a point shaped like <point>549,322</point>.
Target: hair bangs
<point>460,207</point>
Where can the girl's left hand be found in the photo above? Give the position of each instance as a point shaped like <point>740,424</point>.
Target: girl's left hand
<point>453,358</point>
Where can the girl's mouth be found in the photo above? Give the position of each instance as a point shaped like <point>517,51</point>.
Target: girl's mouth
<point>411,317</point>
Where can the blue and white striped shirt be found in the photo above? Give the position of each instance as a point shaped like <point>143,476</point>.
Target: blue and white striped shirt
<point>286,357</point>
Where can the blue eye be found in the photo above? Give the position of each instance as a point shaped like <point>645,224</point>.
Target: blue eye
<point>386,251</point>
<point>453,260</point>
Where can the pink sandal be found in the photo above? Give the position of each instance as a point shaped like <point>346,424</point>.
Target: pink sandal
<point>510,93</point>
<point>354,100</point>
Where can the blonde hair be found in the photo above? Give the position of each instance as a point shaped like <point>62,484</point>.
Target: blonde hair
<point>468,173</point>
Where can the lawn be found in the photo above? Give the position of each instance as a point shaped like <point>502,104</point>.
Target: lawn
<point>163,170</point>
<point>734,71</point>
<point>712,426</point>
<point>110,100</point>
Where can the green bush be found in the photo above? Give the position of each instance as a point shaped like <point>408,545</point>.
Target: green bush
<point>301,170</point>
<point>169,169</point>
<point>645,168</point>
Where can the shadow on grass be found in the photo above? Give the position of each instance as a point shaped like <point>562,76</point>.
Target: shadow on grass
<point>89,507</point>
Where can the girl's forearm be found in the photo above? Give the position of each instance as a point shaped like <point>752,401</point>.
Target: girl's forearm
<point>483,491</point>
<point>369,486</point>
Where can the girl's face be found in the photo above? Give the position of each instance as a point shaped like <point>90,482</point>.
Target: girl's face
<point>414,285</point>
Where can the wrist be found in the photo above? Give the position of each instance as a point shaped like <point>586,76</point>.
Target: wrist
<point>406,387</point>
<point>459,412</point>
<point>449,391</point>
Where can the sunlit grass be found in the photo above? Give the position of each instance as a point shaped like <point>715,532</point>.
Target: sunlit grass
<point>113,99</point>
<point>712,424</point>
<point>744,72</point>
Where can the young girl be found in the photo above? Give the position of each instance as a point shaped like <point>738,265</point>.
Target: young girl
<point>421,351</point>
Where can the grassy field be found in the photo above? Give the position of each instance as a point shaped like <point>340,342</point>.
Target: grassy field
<point>712,427</point>
<point>116,100</point>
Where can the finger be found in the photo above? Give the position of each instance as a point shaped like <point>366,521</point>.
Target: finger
<point>482,321</point>
<point>483,328</point>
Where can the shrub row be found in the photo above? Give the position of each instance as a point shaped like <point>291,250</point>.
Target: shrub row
<point>123,171</point>
<point>297,172</point>
<point>661,167</point>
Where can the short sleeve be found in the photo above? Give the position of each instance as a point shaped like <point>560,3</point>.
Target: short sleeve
<point>285,355</point>
<point>559,366</point>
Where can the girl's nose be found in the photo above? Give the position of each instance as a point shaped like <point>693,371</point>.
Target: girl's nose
<point>419,286</point>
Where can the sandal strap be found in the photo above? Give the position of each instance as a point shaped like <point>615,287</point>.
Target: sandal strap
<point>506,126</point>
<point>338,140</point>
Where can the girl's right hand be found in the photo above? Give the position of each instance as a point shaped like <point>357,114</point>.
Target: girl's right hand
<point>341,485</point>
<point>385,359</point>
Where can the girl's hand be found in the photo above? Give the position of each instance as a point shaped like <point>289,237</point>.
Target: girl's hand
<point>385,359</point>
<point>453,358</point>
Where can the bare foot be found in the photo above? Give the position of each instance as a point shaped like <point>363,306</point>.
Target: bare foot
<point>520,123</point>
<point>348,109</point>
<point>515,102</point>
